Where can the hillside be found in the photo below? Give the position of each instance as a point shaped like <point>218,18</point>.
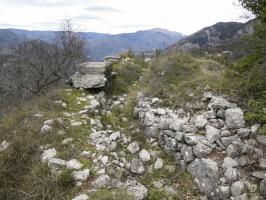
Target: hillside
<point>100,45</point>
<point>223,36</point>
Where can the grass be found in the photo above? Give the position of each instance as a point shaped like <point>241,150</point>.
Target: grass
<point>179,78</point>
<point>23,176</point>
<point>113,194</point>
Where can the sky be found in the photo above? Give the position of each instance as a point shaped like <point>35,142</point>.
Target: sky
<point>119,16</point>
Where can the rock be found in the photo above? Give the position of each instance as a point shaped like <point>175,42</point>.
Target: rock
<point>218,103</point>
<point>76,124</point>
<point>115,136</point>
<point>201,150</point>
<point>229,162</point>
<point>212,134</point>
<point>133,147</point>
<point>241,197</point>
<point>237,188</point>
<point>144,155</point>
<point>225,133</point>
<point>228,140</point>
<point>158,164</point>
<point>262,163</point>
<point>170,168</point>
<point>81,197</point>
<point>81,175</point>
<point>234,118</point>
<point>155,100</point>
<point>231,175</point>
<point>187,153</point>
<point>259,175</point>
<point>55,162</point>
<point>49,122</point>
<point>138,190</point>
<point>46,129</point>
<point>48,154</point>
<point>4,145</point>
<point>137,166</point>
<point>164,123</point>
<point>104,159</point>
<point>255,128</point>
<point>67,141</point>
<point>189,128</point>
<point>179,136</point>
<point>244,132</point>
<point>73,164</point>
<point>177,125</point>
<point>261,139</point>
<point>191,139</point>
<point>232,151</point>
<point>200,121</point>
<point>207,175</point>
<point>94,104</point>
<point>224,192</point>
<point>101,181</point>
<point>263,187</point>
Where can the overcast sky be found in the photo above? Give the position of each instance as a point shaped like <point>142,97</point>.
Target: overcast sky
<point>118,16</point>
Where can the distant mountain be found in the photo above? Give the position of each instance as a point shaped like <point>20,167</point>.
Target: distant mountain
<point>8,39</point>
<point>223,36</point>
<point>101,45</point>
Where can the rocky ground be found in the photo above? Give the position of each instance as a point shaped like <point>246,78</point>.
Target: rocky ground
<point>106,151</point>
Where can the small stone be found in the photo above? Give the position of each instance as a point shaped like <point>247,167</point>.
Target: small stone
<point>201,150</point>
<point>133,147</point>
<point>237,188</point>
<point>200,121</point>
<point>170,168</point>
<point>67,141</point>
<point>115,136</point>
<point>212,134</point>
<point>47,154</point>
<point>76,124</point>
<point>255,128</point>
<point>144,155</point>
<point>262,163</point>
<point>81,197</point>
<point>229,162</point>
<point>241,197</point>
<point>261,139</point>
<point>231,175</point>
<point>137,166</point>
<point>81,175</point>
<point>49,122</point>
<point>244,132</point>
<point>158,164</point>
<point>46,129</point>
<point>232,151</point>
<point>224,192</point>
<point>73,164</point>
<point>263,187</point>
<point>191,139</point>
<point>101,181</point>
<point>4,145</point>
<point>259,175</point>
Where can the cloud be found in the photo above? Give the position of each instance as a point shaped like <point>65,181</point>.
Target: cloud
<point>47,3</point>
<point>87,17</point>
<point>103,9</point>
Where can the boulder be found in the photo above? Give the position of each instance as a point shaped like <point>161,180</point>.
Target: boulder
<point>207,173</point>
<point>102,181</point>
<point>241,197</point>
<point>261,139</point>
<point>234,118</point>
<point>229,162</point>
<point>224,192</point>
<point>73,164</point>
<point>218,103</point>
<point>244,132</point>
<point>231,175</point>
<point>191,139</point>
<point>138,190</point>
<point>263,187</point>
<point>255,128</point>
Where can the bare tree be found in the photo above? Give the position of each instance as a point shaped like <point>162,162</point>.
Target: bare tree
<point>37,65</point>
